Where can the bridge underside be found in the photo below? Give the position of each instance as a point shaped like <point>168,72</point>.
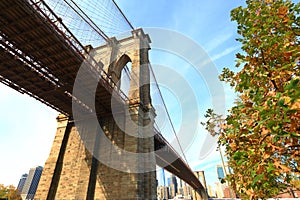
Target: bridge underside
<point>38,59</point>
<point>41,58</point>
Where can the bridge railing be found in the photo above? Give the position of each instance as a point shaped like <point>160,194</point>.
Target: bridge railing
<point>44,10</point>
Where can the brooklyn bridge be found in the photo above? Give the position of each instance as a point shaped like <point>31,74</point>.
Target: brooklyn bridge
<point>44,57</point>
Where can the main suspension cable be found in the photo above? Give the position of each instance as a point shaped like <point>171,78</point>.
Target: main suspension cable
<point>160,94</point>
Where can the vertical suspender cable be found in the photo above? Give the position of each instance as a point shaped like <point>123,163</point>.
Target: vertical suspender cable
<point>89,21</point>
<point>123,15</point>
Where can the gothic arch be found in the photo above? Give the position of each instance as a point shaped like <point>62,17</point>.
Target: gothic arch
<point>115,69</point>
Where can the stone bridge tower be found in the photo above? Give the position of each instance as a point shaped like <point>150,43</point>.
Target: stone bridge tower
<point>74,168</point>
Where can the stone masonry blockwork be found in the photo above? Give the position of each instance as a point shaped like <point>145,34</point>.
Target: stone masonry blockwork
<point>72,171</point>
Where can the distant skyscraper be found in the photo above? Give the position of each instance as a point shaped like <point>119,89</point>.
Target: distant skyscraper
<point>220,190</point>
<point>180,183</point>
<point>187,191</point>
<point>172,183</point>
<point>220,172</point>
<point>210,191</point>
<point>31,183</point>
<point>21,183</point>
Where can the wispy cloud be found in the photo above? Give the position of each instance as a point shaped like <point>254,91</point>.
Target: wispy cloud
<point>225,52</point>
<point>208,165</point>
<point>217,41</point>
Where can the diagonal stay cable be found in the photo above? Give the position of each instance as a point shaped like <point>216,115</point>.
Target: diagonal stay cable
<point>152,72</point>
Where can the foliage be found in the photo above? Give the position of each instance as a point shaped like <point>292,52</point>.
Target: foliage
<point>262,131</point>
<point>9,192</point>
<point>296,184</point>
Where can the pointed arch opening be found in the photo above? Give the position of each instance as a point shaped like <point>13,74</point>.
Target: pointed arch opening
<point>121,73</point>
<point>125,78</point>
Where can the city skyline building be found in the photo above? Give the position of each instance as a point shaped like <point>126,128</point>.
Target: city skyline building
<point>163,193</point>
<point>31,183</point>
<point>210,191</point>
<point>21,183</point>
<point>220,190</point>
<point>220,172</point>
<point>187,191</point>
<point>173,186</point>
<point>223,189</point>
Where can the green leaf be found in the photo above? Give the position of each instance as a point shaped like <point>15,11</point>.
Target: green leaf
<point>270,168</point>
<point>281,102</point>
<point>257,178</point>
<point>237,155</point>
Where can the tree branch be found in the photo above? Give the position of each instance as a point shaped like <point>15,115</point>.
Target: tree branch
<point>269,74</point>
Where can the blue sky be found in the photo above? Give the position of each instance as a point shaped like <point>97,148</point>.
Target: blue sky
<point>208,24</point>
<point>27,127</point>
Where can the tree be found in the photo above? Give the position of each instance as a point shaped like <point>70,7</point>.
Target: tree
<point>261,133</point>
<point>9,192</point>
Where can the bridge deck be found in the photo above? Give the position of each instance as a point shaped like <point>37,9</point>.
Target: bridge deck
<point>38,59</point>
<point>168,159</point>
